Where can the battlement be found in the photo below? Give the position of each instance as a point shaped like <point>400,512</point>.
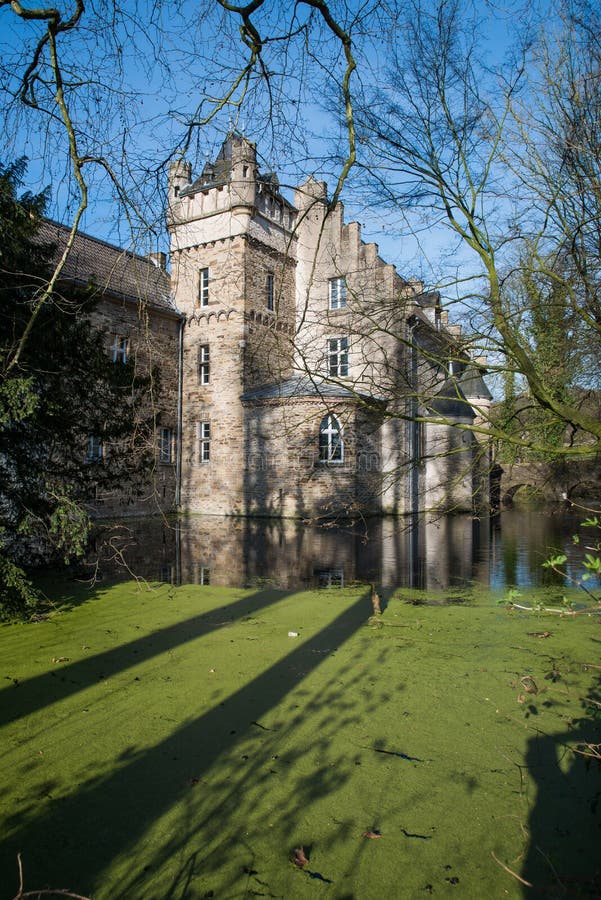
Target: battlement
<point>229,198</point>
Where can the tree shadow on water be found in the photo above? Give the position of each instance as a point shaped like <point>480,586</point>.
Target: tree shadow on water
<point>192,795</point>
<point>563,858</point>
<point>40,691</point>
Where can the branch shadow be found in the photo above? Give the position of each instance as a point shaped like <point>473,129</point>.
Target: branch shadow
<point>43,690</point>
<point>106,818</point>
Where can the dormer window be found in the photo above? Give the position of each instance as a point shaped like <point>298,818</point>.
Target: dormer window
<point>337,292</point>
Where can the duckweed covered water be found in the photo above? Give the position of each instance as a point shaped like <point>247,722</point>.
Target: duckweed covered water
<point>179,743</point>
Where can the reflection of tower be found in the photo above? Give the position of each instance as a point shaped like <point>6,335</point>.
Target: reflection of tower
<point>233,278</point>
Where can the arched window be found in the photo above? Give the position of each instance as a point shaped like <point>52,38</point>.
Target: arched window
<point>331,446</point>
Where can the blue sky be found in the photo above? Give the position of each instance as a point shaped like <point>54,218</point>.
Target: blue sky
<point>144,84</point>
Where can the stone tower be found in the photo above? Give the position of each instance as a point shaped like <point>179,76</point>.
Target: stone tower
<point>233,255</point>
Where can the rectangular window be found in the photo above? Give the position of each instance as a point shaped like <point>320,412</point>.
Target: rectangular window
<point>338,357</point>
<point>269,290</point>
<point>203,287</point>
<point>204,441</point>
<point>166,445</point>
<point>94,450</point>
<point>204,365</point>
<point>337,292</point>
<point>120,348</point>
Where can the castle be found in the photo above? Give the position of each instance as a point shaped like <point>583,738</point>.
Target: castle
<point>302,376</point>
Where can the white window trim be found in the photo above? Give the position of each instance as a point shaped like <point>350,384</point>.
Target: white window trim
<point>120,348</point>
<point>204,364</point>
<point>204,279</point>
<point>337,292</point>
<point>338,357</point>
<point>332,429</point>
<point>204,442</point>
<point>166,445</point>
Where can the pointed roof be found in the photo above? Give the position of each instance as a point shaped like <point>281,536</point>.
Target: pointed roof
<point>450,402</point>
<point>218,172</point>
<point>473,385</point>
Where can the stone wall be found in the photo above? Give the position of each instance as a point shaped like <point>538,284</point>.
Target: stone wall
<point>152,344</point>
<point>284,474</point>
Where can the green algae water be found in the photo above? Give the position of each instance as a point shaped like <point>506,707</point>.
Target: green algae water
<point>182,742</point>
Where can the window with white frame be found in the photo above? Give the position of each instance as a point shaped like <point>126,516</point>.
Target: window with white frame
<point>204,364</point>
<point>203,575</point>
<point>337,292</point>
<point>331,447</point>
<point>120,349</point>
<point>203,287</point>
<point>269,295</point>
<point>338,357</point>
<point>166,445</point>
<point>204,442</point>
<point>94,450</point>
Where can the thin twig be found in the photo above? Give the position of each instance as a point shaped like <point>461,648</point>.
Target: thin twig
<point>510,871</point>
<point>21,894</point>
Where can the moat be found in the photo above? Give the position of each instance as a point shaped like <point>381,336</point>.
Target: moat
<point>499,552</point>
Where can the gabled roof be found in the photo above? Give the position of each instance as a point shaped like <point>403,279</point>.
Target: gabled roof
<point>450,402</point>
<point>297,388</point>
<point>121,273</point>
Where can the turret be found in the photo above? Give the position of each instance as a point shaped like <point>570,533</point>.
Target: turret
<point>243,172</point>
<point>180,175</point>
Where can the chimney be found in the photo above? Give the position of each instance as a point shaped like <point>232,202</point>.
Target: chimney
<point>159,260</point>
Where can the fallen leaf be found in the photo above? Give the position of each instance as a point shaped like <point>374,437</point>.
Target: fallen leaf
<point>529,684</point>
<point>298,857</point>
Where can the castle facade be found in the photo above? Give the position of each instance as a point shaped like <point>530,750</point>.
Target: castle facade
<point>308,362</point>
<point>301,375</point>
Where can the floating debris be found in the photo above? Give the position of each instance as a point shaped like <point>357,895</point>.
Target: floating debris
<point>262,727</point>
<point>529,684</point>
<point>397,753</point>
<point>298,858</point>
<point>422,837</point>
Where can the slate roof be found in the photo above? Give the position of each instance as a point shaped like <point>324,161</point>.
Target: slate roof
<point>120,273</point>
<point>298,387</point>
<point>450,402</point>
<point>473,385</point>
<point>218,173</point>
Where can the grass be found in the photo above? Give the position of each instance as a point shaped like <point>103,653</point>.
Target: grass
<point>178,743</point>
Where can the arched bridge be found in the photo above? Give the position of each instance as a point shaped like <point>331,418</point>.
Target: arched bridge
<point>553,483</point>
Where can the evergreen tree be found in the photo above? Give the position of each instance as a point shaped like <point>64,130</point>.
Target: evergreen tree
<point>69,418</point>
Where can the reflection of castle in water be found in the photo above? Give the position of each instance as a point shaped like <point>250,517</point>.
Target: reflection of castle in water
<point>238,552</point>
